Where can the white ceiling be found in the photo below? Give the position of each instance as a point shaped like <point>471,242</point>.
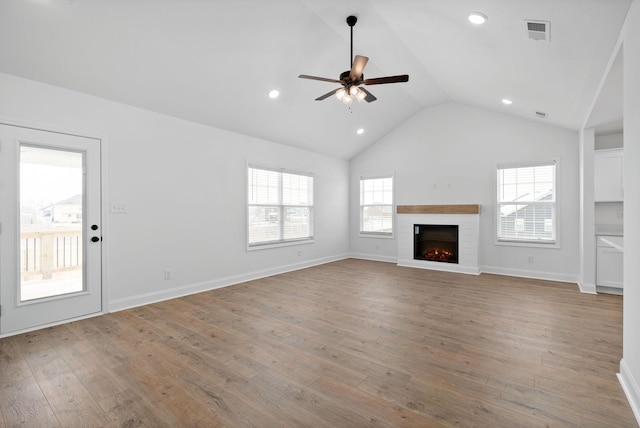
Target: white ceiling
<point>214,61</point>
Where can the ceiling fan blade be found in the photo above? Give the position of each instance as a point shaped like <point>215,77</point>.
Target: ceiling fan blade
<point>323,79</point>
<point>388,79</point>
<point>357,68</point>
<point>370,97</point>
<point>327,95</point>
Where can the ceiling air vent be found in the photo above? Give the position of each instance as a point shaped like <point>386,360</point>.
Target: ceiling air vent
<point>538,30</point>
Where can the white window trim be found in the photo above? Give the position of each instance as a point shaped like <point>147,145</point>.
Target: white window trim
<point>496,206</point>
<point>276,244</point>
<point>380,235</point>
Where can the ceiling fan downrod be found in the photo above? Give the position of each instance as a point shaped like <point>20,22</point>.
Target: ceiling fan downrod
<point>351,21</point>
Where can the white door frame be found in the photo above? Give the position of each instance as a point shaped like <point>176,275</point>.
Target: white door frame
<point>104,209</point>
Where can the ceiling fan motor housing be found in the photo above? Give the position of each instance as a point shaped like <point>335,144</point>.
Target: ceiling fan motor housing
<point>344,76</point>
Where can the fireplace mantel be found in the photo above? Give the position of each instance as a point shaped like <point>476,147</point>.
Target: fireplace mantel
<point>438,209</point>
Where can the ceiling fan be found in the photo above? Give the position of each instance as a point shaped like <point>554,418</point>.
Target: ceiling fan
<point>352,79</point>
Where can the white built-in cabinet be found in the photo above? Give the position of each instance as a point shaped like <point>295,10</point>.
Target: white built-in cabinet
<point>608,175</point>
<point>609,261</point>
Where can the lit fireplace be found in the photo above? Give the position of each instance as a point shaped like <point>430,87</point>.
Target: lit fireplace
<point>435,243</point>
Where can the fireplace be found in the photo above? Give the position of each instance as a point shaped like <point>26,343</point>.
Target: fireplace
<point>435,243</point>
<point>466,217</point>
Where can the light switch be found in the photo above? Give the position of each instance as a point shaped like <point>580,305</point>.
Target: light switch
<point>118,208</point>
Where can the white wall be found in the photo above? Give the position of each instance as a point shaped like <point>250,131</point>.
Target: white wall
<point>630,365</point>
<point>184,188</point>
<point>448,155</point>
<point>587,274</point>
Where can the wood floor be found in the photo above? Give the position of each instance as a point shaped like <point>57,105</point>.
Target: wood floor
<point>348,344</point>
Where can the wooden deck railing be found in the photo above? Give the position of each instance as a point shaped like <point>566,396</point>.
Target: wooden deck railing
<point>43,253</point>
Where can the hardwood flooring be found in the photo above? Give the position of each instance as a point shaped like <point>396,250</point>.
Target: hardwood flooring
<point>348,344</point>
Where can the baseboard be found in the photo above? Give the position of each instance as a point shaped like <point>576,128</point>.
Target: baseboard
<point>523,273</point>
<point>185,290</point>
<point>587,288</point>
<point>550,276</point>
<point>610,290</point>
<point>373,257</point>
<point>630,388</point>
<point>172,293</point>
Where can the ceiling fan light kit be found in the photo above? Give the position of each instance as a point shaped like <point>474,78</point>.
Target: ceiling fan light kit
<point>353,78</point>
<point>353,93</point>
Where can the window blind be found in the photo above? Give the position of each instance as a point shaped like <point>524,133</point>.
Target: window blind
<point>526,201</point>
<point>279,207</point>
<point>376,205</point>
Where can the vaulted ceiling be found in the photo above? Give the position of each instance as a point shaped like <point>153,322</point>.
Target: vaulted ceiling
<point>214,61</point>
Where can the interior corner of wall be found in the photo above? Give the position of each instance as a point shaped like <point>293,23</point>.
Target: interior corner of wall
<point>587,288</point>
<point>630,388</point>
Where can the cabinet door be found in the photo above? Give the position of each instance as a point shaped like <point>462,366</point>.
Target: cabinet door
<point>608,176</point>
<point>609,267</point>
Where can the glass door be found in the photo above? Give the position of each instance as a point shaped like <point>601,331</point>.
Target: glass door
<point>50,249</point>
<point>51,232</point>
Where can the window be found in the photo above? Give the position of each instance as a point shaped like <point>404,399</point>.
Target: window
<point>376,206</point>
<point>527,203</point>
<point>280,206</point>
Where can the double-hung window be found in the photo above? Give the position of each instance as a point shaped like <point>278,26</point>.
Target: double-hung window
<point>279,206</point>
<point>526,203</point>
<point>376,206</point>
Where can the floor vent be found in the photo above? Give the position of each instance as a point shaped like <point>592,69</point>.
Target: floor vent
<point>538,30</point>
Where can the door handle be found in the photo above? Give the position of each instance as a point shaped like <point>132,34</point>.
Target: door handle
<point>94,239</point>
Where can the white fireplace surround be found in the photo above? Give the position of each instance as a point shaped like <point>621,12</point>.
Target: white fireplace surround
<point>468,237</point>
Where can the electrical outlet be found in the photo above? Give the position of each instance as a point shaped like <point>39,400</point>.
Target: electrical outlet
<point>299,253</point>
<point>530,259</point>
<point>620,214</point>
<point>168,274</point>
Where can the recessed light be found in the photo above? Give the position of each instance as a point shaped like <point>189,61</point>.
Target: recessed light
<point>507,101</point>
<point>274,93</point>
<point>477,18</point>
<point>360,131</point>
